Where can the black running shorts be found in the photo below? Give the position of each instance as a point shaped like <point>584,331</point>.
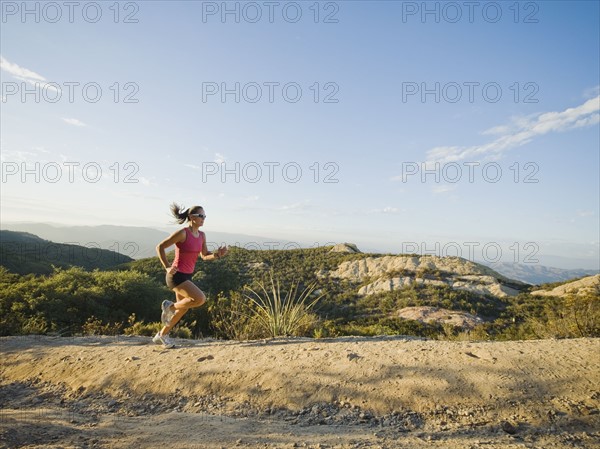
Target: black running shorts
<point>173,280</point>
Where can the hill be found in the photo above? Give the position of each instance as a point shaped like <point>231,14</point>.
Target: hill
<point>589,285</point>
<point>358,294</point>
<point>25,253</point>
<point>362,294</point>
<point>140,242</point>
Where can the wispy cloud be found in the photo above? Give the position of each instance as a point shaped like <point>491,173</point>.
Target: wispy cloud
<point>585,213</point>
<point>442,189</point>
<point>385,210</point>
<point>74,122</point>
<point>300,206</point>
<point>219,159</point>
<point>496,130</point>
<point>521,131</point>
<point>19,72</point>
<point>23,74</point>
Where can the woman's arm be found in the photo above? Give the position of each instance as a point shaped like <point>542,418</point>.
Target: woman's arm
<point>207,255</point>
<point>176,237</point>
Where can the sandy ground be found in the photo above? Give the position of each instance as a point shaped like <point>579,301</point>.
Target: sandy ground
<point>384,392</point>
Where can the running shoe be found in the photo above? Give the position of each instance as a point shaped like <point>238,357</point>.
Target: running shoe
<point>166,315</point>
<point>165,341</point>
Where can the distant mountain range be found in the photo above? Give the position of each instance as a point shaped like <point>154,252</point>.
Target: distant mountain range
<point>140,242</point>
<point>25,253</point>
<point>537,274</point>
<point>136,242</point>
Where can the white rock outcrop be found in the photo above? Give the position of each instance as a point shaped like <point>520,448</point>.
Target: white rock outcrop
<point>385,285</point>
<point>426,314</point>
<point>387,273</point>
<point>345,248</point>
<point>587,285</point>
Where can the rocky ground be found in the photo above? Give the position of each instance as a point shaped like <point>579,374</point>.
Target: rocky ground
<point>122,392</point>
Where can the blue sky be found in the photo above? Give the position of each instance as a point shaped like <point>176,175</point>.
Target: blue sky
<point>444,132</point>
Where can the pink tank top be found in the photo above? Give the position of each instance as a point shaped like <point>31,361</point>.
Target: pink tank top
<point>186,253</point>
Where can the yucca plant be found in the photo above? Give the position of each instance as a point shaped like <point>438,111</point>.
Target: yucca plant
<point>282,315</point>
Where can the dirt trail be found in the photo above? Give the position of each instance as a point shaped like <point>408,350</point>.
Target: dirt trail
<point>385,392</point>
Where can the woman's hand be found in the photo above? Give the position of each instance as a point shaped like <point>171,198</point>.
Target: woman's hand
<point>171,270</point>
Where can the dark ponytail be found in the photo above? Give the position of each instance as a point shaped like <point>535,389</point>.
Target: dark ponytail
<point>180,214</point>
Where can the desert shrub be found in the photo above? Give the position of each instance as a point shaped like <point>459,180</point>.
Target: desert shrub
<point>136,327</point>
<point>282,316</point>
<point>326,329</point>
<point>532,317</point>
<point>144,329</point>
<point>34,325</point>
<point>457,333</point>
<point>231,318</point>
<point>258,313</point>
<point>571,317</point>
<point>94,326</point>
<point>434,296</point>
<point>371,326</point>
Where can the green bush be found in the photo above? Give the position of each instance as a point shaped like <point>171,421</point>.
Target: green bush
<point>456,333</point>
<point>93,326</point>
<point>570,317</point>
<point>230,318</point>
<point>64,301</point>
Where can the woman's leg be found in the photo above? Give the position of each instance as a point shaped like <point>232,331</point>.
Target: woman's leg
<point>178,297</point>
<point>188,296</point>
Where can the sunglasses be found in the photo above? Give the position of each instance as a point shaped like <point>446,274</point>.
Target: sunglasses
<point>198,215</point>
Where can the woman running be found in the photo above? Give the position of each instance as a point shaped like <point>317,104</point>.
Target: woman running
<point>189,243</point>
